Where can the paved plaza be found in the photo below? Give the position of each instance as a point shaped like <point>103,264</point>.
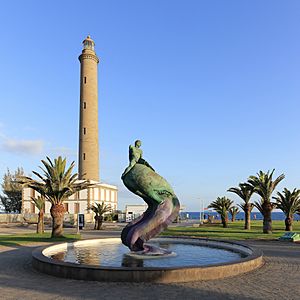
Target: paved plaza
<point>279,278</point>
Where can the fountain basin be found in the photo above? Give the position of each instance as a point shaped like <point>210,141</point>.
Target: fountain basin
<point>188,265</point>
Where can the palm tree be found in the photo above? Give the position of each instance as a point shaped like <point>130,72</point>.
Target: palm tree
<point>57,185</point>
<point>39,202</point>
<point>264,185</point>
<point>221,206</point>
<point>99,209</point>
<point>245,192</point>
<point>289,203</point>
<point>233,211</point>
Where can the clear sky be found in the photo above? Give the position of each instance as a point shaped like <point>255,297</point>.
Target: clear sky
<point>210,87</point>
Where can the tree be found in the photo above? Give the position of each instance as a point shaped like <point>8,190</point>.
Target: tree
<point>56,184</point>
<point>245,191</point>
<point>99,209</point>
<point>289,203</point>
<point>113,216</point>
<point>233,211</point>
<point>222,206</point>
<point>264,185</point>
<point>39,202</point>
<point>12,190</point>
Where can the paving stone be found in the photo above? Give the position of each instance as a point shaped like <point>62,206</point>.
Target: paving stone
<point>279,278</point>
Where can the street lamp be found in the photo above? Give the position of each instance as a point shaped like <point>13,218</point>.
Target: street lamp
<point>78,232</point>
<point>201,211</point>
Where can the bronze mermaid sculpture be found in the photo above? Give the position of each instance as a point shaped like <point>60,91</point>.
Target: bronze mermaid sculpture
<point>163,206</point>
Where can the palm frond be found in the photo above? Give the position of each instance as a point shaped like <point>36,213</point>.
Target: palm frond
<point>57,184</point>
<point>39,202</point>
<point>244,191</point>
<point>264,185</point>
<point>100,208</point>
<point>234,210</point>
<point>288,201</point>
<point>221,205</point>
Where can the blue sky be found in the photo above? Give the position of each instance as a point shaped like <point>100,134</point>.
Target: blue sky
<point>210,87</point>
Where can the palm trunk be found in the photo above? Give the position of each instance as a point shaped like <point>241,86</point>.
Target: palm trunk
<point>247,217</point>
<point>225,221</point>
<point>40,224</point>
<point>289,223</point>
<point>99,222</point>
<point>96,221</point>
<point>57,213</point>
<point>267,223</point>
<point>232,218</point>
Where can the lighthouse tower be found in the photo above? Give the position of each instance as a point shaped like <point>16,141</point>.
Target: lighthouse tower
<point>88,122</point>
<point>80,203</point>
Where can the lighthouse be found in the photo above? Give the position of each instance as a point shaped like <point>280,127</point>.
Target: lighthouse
<point>88,121</point>
<point>100,192</point>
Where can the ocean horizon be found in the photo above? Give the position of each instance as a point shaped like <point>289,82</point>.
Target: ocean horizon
<point>276,216</point>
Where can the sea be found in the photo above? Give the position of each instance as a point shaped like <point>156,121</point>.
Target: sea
<point>195,215</point>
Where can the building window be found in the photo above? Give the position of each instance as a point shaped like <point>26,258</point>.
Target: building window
<point>66,206</point>
<point>83,156</point>
<point>76,208</point>
<point>32,207</point>
<point>84,130</point>
<point>84,79</point>
<point>84,105</point>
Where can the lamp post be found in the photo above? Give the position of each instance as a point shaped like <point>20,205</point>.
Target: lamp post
<point>201,211</point>
<point>78,232</point>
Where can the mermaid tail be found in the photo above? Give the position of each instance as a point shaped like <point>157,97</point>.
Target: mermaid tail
<point>163,206</point>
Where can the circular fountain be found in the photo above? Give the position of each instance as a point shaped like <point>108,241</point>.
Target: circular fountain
<point>108,260</point>
<point>162,260</point>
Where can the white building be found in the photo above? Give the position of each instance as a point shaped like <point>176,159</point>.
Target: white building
<point>77,203</point>
<point>133,211</point>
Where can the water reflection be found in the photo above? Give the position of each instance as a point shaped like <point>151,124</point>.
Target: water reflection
<point>59,256</point>
<point>131,262</point>
<point>113,254</point>
<point>88,256</point>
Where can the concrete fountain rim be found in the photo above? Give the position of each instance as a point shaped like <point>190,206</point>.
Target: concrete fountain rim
<point>253,260</point>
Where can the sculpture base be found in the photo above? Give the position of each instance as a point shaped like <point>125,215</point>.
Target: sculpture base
<point>151,251</point>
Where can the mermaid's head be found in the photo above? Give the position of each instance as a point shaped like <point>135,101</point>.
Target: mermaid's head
<point>138,143</point>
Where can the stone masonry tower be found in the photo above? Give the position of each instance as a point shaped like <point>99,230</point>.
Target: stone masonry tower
<point>88,123</point>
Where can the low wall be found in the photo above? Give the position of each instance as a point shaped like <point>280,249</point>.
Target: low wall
<point>11,218</point>
<point>33,218</point>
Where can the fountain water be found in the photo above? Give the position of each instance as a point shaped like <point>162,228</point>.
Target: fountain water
<point>107,260</point>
